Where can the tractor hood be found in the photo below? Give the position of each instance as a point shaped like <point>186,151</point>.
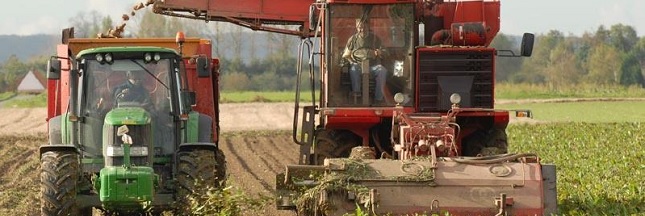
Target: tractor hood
<point>127,116</point>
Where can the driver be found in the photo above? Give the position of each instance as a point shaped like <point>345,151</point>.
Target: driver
<point>362,46</point>
<point>132,90</point>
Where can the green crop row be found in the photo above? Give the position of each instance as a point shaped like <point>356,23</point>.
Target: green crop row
<point>600,166</point>
<point>592,111</point>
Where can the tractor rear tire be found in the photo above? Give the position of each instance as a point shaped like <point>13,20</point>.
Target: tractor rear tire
<point>333,144</point>
<point>58,177</point>
<point>198,169</point>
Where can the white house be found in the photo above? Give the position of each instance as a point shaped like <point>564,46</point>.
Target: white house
<point>32,83</point>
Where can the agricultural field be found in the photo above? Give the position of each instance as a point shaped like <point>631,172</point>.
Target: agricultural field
<point>600,161</point>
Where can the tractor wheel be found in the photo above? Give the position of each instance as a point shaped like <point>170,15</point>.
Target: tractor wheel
<point>198,169</point>
<point>486,143</point>
<point>58,176</point>
<point>220,170</point>
<point>333,144</point>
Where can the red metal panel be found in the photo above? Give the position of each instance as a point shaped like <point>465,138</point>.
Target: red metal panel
<point>58,90</point>
<point>205,88</point>
<point>260,10</point>
<point>473,11</point>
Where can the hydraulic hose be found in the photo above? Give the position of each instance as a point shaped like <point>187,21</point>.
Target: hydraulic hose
<point>493,159</point>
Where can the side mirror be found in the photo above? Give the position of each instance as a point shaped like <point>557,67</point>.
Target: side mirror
<point>313,20</point>
<point>53,69</point>
<point>202,67</point>
<point>527,44</point>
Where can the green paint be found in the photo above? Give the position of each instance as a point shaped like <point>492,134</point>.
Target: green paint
<point>192,128</point>
<point>126,189</point>
<point>65,128</point>
<point>127,116</point>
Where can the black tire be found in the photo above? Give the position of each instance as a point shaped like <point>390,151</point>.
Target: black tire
<point>220,170</point>
<point>334,144</point>
<point>197,169</point>
<point>58,177</point>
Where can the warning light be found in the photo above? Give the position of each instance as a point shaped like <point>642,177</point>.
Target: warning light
<point>523,114</point>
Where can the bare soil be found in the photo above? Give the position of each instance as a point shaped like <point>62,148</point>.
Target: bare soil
<point>254,155</point>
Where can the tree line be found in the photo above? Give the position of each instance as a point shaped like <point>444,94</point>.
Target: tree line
<point>608,56</point>
<point>261,61</point>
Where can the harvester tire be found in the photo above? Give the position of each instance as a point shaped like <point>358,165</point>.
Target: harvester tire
<point>333,144</point>
<point>198,169</point>
<point>58,177</point>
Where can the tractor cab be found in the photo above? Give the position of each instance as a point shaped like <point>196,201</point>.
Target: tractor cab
<point>135,88</point>
<point>371,49</point>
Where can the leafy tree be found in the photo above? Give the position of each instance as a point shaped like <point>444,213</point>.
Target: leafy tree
<point>623,37</point>
<point>631,73</point>
<point>266,81</point>
<point>234,81</point>
<point>562,71</point>
<point>13,69</point>
<point>505,67</point>
<point>152,25</point>
<point>533,69</point>
<point>87,24</point>
<point>603,65</point>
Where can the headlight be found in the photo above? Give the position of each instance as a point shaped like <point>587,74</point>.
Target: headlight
<point>157,57</point>
<point>455,98</point>
<point>99,58</point>
<point>147,57</point>
<point>399,98</point>
<point>108,58</point>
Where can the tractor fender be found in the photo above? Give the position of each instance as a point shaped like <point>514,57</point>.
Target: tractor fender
<point>197,145</point>
<point>199,128</point>
<point>58,148</point>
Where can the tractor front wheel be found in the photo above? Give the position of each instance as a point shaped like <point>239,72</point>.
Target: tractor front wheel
<point>58,177</point>
<point>197,170</point>
<point>334,144</point>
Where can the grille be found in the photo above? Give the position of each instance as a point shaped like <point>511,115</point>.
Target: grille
<point>469,72</point>
<point>140,138</point>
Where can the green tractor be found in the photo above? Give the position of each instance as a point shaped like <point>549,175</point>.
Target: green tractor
<point>133,126</point>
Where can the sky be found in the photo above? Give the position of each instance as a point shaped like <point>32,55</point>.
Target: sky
<point>517,16</point>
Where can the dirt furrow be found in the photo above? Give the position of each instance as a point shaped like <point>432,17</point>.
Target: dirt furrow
<point>239,168</point>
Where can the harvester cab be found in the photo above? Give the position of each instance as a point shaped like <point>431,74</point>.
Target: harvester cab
<point>405,119</point>
<point>133,125</point>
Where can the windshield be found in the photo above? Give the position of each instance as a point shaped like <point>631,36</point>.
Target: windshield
<point>108,85</point>
<point>125,83</point>
<point>371,50</point>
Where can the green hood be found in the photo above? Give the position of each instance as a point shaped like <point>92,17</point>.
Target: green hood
<point>127,116</point>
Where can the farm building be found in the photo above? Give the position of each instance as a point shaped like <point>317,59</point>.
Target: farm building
<point>33,82</point>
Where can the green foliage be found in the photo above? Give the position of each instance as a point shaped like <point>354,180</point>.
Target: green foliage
<point>630,71</point>
<point>6,95</point>
<point>542,91</point>
<point>600,166</point>
<point>265,96</point>
<point>39,100</point>
<point>592,111</point>
<point>226,201</point>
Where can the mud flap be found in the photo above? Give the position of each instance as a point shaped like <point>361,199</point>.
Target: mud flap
<point>550,189</point>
